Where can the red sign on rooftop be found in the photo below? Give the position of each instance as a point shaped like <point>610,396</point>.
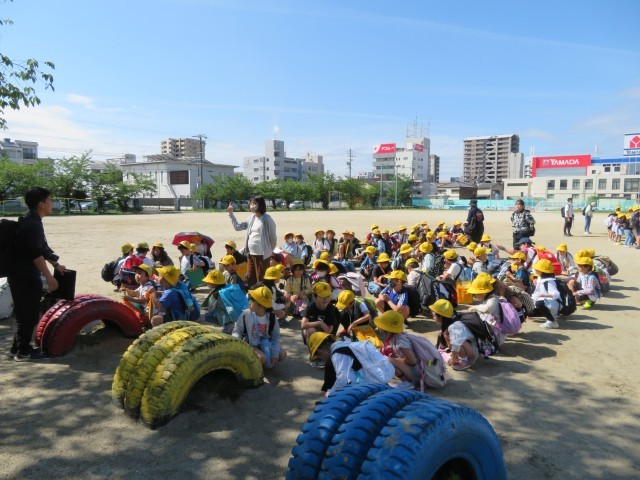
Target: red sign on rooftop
<point>562,161</point>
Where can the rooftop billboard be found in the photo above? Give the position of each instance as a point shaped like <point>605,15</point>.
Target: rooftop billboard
<point>563,161</point>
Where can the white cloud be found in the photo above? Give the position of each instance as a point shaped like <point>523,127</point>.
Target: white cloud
<point>90,104</point>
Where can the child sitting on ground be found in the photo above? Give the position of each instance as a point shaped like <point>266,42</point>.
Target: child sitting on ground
<point>518,275</point>
<point>176,302</point>
<point>298,288</point>
<point>139,297</point>
<point>352,312</point>
<point>481,263</point>
<point>546,295</point>
<point>456,342</point>
<point>325,272</point>
<point>279,304</point>
<point>216,311</point>
<point>488,306</point>
<point>586,288</point>
<point>258,327</point>
<point>231,277</point>
<point>395,295</point>
<point>321,315</point>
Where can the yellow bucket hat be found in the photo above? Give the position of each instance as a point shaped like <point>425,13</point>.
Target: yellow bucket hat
<point>169,274</point>
<point>344,299</point>
<point>481,284</point>
<point>315,340</point>
<point>322,289</point>
<point>390,321</point>
<point>426,247</point>
<point>228,260</point>
<point>442,307</point>
<point>543,266</point>
<point>214,277</point>
<point>263,296</point>
<point>126,247</point>
<point>272,273</point>
<point>450,255</point>
<point>405,248</point>
<point>383,257</point>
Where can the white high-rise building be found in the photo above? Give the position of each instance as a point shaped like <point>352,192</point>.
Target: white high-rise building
<point>486,159</point>
<point>275,165</point>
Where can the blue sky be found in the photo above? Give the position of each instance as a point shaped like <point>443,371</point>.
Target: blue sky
<point>326,76</point>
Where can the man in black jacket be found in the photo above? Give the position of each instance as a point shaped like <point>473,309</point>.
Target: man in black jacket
<point>32,255</point>
<point>475,222</point>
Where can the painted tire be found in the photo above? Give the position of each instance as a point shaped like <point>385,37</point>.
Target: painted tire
<point>350,445</point>
<point>435,438</point>
<point>321,426</point>
<point>147,365</point>
<point>67,322</point>
<point>50,317</point>
<point>179,371</point>
<point>132,357</point>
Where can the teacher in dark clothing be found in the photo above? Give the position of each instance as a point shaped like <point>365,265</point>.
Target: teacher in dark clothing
<point>260,241</point>
<point>32,255</point>
<point>474,227</point>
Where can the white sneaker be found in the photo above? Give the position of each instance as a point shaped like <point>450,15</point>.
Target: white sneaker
<point>404,385</point>
<point>548,324</point>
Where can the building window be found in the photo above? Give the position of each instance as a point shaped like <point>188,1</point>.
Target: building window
<point>615,184</point>
<point>607,168</point>
<point>593,172</point>
<point>602,184</point>
<point>588,184</point>
<point>551,196</point>
<point>575,184</point>
<point>551,184</point>
<point>616,168</point>
<point>632,185</point>
<point>563,184</point>
<point>276,154</point>
<point>179,177</point>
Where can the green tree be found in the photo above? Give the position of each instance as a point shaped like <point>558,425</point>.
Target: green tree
<point>71,177</point>
<point>321,185</point>
<point>353,190</point>
<point>225,189</point>
<point>15,179</point>
<point>405,187</point>
<point>111,185</point>
<point>17,80</point>
<point>269,190</point>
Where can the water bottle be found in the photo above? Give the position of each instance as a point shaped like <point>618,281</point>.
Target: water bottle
<point>265,346</point>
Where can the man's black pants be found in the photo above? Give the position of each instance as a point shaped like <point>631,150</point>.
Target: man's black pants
<point>26,293</point>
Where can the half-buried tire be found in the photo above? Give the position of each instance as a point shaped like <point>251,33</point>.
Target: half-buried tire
<point>191,360</point>
<point>321,426</point>
<point>150,361</point>
<point>435,439</point>
<point>54,313</point>
<point>132,357</point>
<point>66,323</point>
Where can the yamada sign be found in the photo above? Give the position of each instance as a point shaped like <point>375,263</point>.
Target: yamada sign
<point>632,144</point>
<point>565,161</point>
<point>384,148</point>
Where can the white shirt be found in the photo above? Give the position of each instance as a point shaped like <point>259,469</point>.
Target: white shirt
<point>568,210</point>
<point>255,237</point>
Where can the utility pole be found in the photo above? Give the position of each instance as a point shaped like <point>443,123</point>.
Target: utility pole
<point>202,137</point>
<point>351,156</point>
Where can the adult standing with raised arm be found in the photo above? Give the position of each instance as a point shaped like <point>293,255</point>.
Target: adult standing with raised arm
<point>523,223</point>
<point>260,241</point>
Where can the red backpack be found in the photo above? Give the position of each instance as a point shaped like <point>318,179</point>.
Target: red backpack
<point>132,261</point>
<point>545,255</point>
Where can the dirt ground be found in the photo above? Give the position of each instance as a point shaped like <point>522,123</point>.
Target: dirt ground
<point>563,402</point>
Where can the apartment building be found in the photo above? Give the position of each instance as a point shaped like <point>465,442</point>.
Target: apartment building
<point>486,159</point>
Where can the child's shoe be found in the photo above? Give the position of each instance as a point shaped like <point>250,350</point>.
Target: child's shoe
<point>549,324</point>
<point>588,304</point>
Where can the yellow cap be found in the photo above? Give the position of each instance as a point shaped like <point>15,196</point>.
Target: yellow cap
<point>430,234</point>
<point>231,244</point>
<point>401,228</point>
<point>426,247</point>
<point>193,247</point>
<point>479,251</point>
<point>374,226</point>
<point>518,256</point>
<point>169,274</point>
<point>143,245</point>
<point>450,255</point>
<point>481,284</point>
<point>405,248</point>
<point>288,234</point>
<point>376,231</point>
<point>397,275</point>
<point>442,307</point>
<point>273,273</point>
<point>584,261</point>
<point>126,247</point>
<point>145,268</point>
<point>228,260</point>
<point>390,321</point>
<point>324,256</point>
<point>472,246</point>
<point>263,296</point>
<point>333,269</point>
<point>485,238</point>
<point>442,234</point>
<point>158,245</point>
<point>321,261</point>
<point>318,231</point>
<point>383,257</point>
<point>412,238</point>
<point>562,247</point>
<point>344,299</point>
<point>184,244</point>
<point>315,340</point>
<point>411,261</point>
<point>457,223</point>
<point>322,289</point>
<point>543,266</point>
<point>370,249</point>
<point>214,277</point>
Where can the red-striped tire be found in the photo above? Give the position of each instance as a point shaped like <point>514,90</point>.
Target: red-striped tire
<point>59,338</point>
<point>49,317</point>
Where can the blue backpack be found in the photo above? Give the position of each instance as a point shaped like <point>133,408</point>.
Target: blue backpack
<point>192,307</point>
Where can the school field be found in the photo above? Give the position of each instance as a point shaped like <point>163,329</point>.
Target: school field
<point>565,403</point>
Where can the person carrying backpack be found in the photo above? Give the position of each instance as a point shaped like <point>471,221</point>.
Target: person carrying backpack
<point>456,342</point>
<point>475,222</point>
<point>587,211</point>
<point>175,302</point>
<point>546,295</point>
<point>348,362</point>
<point>352,311</point>
<point>489,307</point>
<point>416,361</point>
<point>258,327</point>
<point>26,264</point>
<point>586,288</point>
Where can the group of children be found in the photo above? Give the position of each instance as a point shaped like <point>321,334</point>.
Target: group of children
<point>624,228</point>
<point>334,315</point>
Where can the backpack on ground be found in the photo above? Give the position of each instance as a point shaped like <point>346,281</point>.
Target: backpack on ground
<point>8,234</point>
<point>438,266</point>
<point>376,368</point>
<point>567,300</point>
<point>108,271</point>
<point>425,291</point>
<point>605,263</point>
<point>546,255</point>
<point>353,281</point>
<point>430,363</point>
<point>509,322</point>
<point>447,291</point>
